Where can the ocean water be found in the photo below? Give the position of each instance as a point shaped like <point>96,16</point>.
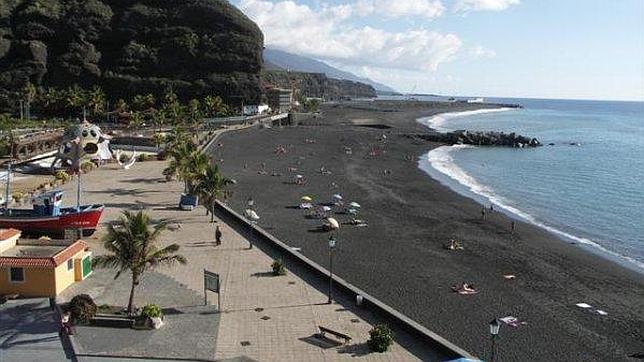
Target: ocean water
<point>588,187</point>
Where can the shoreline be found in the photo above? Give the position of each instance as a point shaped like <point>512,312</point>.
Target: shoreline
<point>439,162</point>
<point>400,257</point>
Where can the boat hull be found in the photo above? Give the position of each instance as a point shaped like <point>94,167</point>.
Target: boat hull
<point>54,226</point>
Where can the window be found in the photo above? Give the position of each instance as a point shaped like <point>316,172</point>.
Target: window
<point>70,264</point>
<point>16,275</point>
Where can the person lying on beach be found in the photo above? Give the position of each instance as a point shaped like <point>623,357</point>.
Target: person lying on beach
<point>358,222</point>
<point>453,245</point>
<point>464,289</point>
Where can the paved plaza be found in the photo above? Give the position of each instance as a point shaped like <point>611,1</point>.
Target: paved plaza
<point>29,332</point>
<point>263,317</point>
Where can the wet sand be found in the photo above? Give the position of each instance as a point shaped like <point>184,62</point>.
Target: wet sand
<point>400,256</point>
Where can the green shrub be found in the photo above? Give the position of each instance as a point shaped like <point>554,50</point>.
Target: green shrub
<point>82,308</point>
<point>123,158</point>
<point>17,196</point>
<point>62,176</point>
<point>162,155</point>
<point>380,338</point>
<point>278,267</point>
<point>87,166</point>
<point>151,311</point>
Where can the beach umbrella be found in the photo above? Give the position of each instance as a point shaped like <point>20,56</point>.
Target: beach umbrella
<point>299,176</point>
<point>333,223</point>
<point>306,205</point>
<point>354,205</point>
<point>326,208</point>
<point>307,198</point>
<point>352,211</point>
<point>337,197</point>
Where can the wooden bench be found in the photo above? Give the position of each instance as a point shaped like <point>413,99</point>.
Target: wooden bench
<point>324,330</point>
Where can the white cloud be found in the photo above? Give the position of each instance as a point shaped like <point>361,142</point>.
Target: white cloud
<point>481,52</point>
<point>326,34</point>
<point>400,8</point>
<point>478,5</point>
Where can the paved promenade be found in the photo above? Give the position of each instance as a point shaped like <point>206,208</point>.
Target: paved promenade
<point>29,332</point>
<point>263,317</point>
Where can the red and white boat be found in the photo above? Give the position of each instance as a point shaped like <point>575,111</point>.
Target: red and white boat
<point>48,218</point>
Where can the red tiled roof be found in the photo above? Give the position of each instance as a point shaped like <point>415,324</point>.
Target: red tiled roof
<point>8,233</point>
<point>50,262</point>
<point>8,261</point>
<point>69,251</point>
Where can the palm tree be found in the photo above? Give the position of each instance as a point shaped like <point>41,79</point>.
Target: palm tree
<point>171,107</point>
<point>211,187</point>
<point>214,106</point>
<point>29,92</point>
<point>51,102</point>
<point>74,98</point>
<point>121,106</point>
<point>132,247</point>
<point>96,101</point>
<point>194,112</point>
<point>136,120</point>
<point>181,154</point>
<point>196,166</point>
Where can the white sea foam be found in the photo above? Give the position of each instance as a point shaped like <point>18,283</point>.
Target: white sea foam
<point>437,121</point>
<point>440,159</point>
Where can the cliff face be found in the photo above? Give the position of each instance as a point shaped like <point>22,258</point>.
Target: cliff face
<point>318,85</point>
<point>198,47</point>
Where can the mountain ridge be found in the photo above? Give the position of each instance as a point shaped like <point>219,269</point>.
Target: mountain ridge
<point>289,61</point>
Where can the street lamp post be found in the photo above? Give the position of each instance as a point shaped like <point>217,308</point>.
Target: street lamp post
<point>331,247</point>
<point>495,325</point>
<point>251,206</point>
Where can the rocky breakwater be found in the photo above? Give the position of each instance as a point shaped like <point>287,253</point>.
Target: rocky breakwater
<point>479,138</point>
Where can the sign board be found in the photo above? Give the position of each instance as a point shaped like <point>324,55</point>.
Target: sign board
<point>211,281</point>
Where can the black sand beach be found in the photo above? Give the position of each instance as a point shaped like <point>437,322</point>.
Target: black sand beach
<point>400,256</point>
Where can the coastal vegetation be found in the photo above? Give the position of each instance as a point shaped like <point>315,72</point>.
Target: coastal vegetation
<point>211,186</point>
<point>132,247</point>
<point>192,166</point>
<point>82,308</point>
<point>56,107</point>
<point>380,338</point>
<point>278,267</point>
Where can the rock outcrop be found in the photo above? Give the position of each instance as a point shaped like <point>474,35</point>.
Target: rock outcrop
<point>479,138</point>
<point>196,47</point>
<point>318,85</point>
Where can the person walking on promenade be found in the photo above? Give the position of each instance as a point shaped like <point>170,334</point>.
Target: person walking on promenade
<point>512,227</point>
<point>65,324</point>
<point>217,235</point>
<point>483,213</point>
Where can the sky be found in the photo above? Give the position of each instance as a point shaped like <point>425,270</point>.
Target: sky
<point>571,49</point>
